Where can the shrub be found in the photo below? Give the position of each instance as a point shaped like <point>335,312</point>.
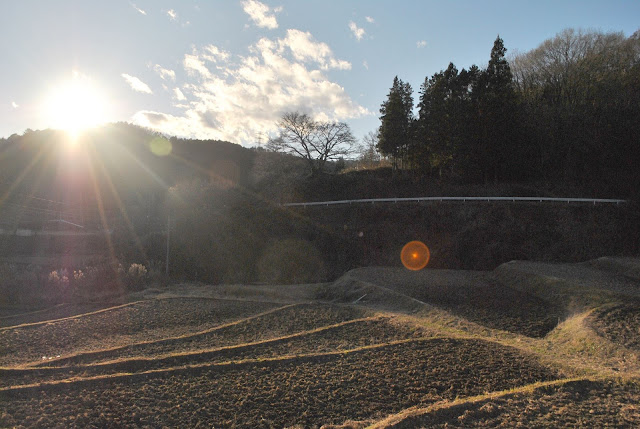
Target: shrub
<point>137,271</point>
<point>58,284</point>
<point>100,277</point>
<point>136,276</point>
<point>59,278</point>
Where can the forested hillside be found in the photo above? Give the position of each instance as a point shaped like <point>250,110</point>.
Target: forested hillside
<point>567,111</point>
<point>108,168</point>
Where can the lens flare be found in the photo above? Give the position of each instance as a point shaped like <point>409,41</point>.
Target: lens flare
<point>415,255</point>
<point>160,146</point>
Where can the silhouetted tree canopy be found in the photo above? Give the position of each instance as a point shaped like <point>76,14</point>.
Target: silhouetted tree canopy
<point>396,130</point>
<point>315,141</point>
<point>567,111</point>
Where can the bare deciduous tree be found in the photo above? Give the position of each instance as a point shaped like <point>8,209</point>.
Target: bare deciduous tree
<point>315,141</point>
<point>369,155</point>
<point>568,64</point>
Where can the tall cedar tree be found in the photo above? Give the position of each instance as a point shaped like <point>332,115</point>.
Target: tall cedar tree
<point>395,131</point>
<point>495,108</point>
<point>443,126</point>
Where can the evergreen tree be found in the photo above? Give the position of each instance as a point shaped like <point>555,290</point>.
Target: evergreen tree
<point>394,137</point>
<point>444,120</point>
<point>495,108</point>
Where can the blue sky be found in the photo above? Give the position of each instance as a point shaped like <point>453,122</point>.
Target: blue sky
<point>227,69</point>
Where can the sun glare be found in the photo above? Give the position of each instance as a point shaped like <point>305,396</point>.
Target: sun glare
<point>75,105</point>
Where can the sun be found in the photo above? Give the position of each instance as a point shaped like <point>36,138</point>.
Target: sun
<point>75,105</point>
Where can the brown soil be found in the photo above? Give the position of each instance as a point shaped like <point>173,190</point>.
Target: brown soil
<point>472,295</point>
<point>57,312</point>
<point>341,337</point>
<point>577,404</point>
<point>619,324</point>
<point>147,320</point>
<point>205,362</point>
<point>277,323</point>
<point>307,391</point>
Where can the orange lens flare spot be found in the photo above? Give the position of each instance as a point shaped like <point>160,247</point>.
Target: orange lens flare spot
<point>415,255</point>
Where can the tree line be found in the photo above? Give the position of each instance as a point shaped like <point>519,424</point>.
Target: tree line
<point>567,111</point>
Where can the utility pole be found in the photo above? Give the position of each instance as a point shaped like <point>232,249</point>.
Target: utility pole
<point>168,242</point>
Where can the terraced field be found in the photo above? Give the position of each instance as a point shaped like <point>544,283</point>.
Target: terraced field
<point>573,403</point>
<point>474,295</point>
<point>457,357</point>
<point>125,324</point>
<point>619,324</point>
<point>16,316</point>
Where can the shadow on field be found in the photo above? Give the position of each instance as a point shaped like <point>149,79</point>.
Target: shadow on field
<point>473,295</point>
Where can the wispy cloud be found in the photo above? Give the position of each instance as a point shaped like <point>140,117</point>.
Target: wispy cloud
<point>14,105</point>
<point>138,9</point>
<point>178,94</point>
<point>214,54</point>
<point>421,43</point>
<point>165,74</point>
<point>237,98</point>
<point>172,14</point>
<point>136,84</point>
<point>357,31</point>
<point>365,64</point>
<point>369,19</point>
<point>195,66</point>
<point>261,14</point>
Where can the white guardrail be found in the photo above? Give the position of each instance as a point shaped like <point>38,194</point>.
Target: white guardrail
<point>593,201</point>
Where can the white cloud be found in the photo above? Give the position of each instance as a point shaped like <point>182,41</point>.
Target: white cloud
<point>365,64</point>
<point>195,66</point>
<point>214,54</point>
<point>178,94</point>
<point>14,105</point>
<point>421,43</point>
<point>165,74</point>
<point>260,14</point>
<point>237,98</point>
<point>138,9</point>
<point>172,14</point>
<point>357,31</point>
<point>369,19</point>
<point>304,48</point>
<point>136,84</point>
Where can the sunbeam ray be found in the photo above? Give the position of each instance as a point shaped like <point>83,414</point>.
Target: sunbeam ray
<point>120,205</point>
<point>103,219</point>
<point>41,152</point>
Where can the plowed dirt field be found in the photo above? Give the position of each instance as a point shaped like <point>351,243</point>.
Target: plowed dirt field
<point>385,348</point>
